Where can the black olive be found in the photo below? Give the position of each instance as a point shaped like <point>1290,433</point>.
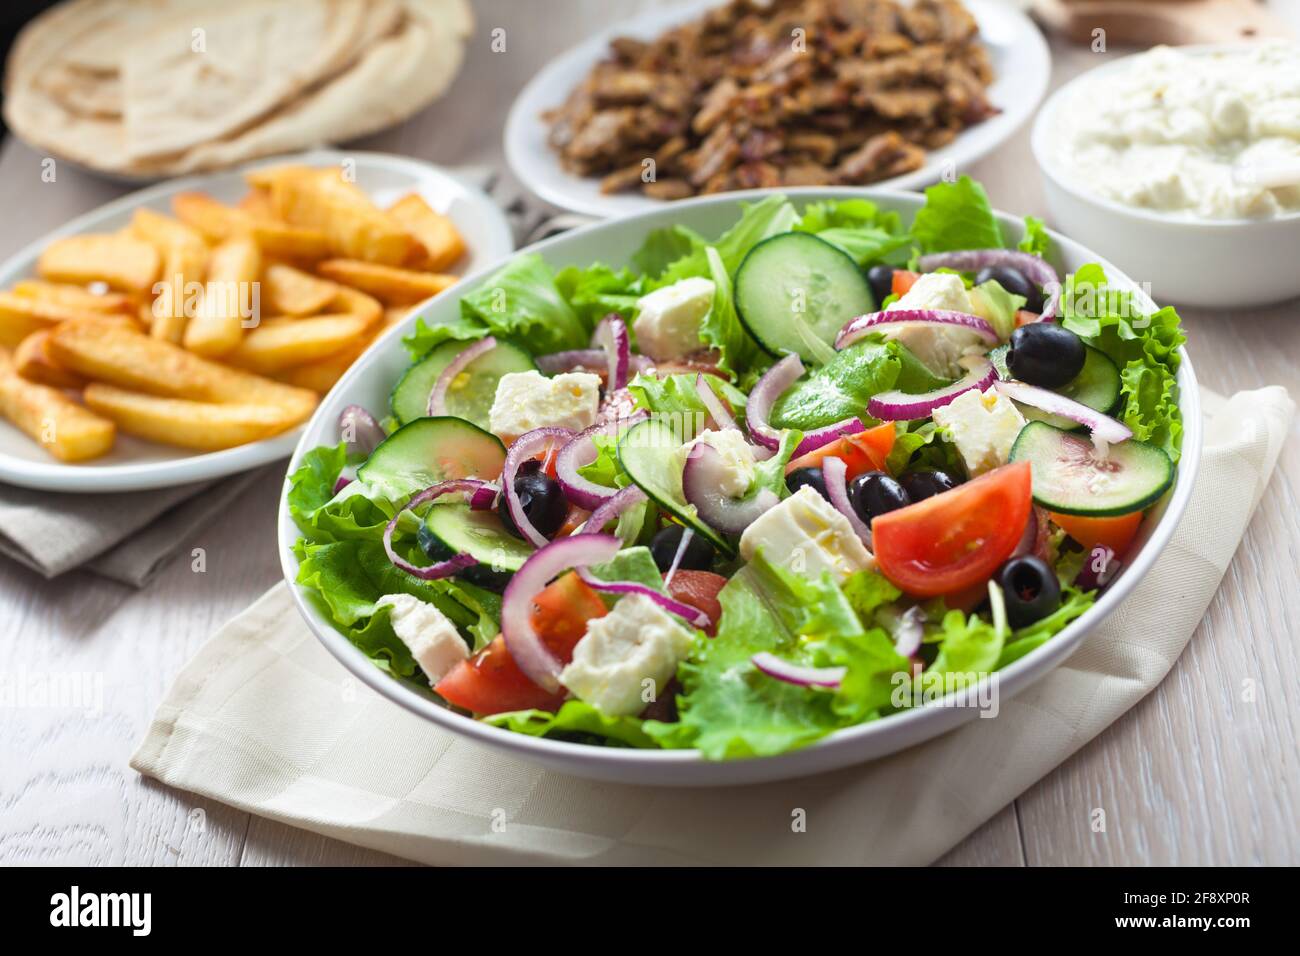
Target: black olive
<point>431,545</point>
<point>1030,590</point>
<point>484,575</point>
<point>542,500</point>
<point>1045,354</point>
<point>698,555</point>
<point>881,280</point>
<point>1014,281</point>
<point>812,477</point>
<point>920,485</point>
<point>873,493</point>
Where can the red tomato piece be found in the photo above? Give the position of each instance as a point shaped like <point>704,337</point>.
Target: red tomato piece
<point>865,451</point>
<point>700,590</point>
<point>903,281</point>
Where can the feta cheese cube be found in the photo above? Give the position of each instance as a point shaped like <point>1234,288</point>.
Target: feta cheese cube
<point>433,640</point>
<point>982,426</point>
<point>668,320</point>
<point>738,461</point>
<point>806,534</point>
<point>636,642</point>
<point>528,400</point>
<point>938,347</point>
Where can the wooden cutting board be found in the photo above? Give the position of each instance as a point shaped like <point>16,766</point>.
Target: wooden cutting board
<point>1149,22</point>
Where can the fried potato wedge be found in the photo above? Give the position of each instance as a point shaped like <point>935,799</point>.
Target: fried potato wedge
<point>257,203</point>
<point>290,291</point>
<point>21,316</point>
<point>282,343</point>
<point>218,221</point>
<point>74,296</point>
<point>107,353</point>
<point>228,298</point>
<point>34,362</point>
<point>177,421</point>
<point>320,376</point>
<point>123,262</point>
<point>390,284</point>
<point>355,302</point>
<point>321,199</point>
<point>66,430</point>
<point>184,253</point>
<point>441,244</point>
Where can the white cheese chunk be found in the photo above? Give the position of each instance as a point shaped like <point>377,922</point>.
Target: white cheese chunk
<point>433,640</point>
<point>982,426</point>
<point>737,471</point>
<point>938,347</point>
<point>528,400</point>
<point>806,534</point>
<point>636,643</point>
<point>668,320</point>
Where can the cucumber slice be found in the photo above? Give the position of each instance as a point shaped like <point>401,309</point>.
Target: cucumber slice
<point>471,397</point>
<point>478,533</point>
<point>429,450</point>
<point>1097,385</point>
<point>795,287</point>
<point>1071,479</point>
<point>648,453</point>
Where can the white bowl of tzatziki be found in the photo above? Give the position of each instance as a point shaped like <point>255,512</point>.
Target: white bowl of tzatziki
<point>1168,162</point>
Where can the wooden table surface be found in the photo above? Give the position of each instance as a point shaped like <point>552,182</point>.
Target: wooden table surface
<point>1195,774</point>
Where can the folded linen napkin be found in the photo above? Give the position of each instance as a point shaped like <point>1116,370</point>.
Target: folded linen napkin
<point>263,718</point>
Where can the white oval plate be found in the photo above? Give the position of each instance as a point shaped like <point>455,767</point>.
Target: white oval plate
<point>134,464</point>
<point>1021,63</point>
<point>369,381</point>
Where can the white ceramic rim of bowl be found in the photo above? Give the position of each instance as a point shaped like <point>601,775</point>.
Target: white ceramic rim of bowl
<point>1051,167</point>
<point>203,466</point>
<point>522,122</point>
<point>910,726</point>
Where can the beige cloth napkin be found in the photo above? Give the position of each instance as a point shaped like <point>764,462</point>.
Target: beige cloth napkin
<point>266,720</point>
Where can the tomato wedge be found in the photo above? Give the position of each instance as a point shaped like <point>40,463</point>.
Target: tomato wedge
<point>491,682</point>
<point>864,451</point>
<point>903,280</point>
<point>700,590</point>
<point>1115,533</point>
<point>955,540</point>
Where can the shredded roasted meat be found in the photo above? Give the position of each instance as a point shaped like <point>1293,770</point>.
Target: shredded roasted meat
<point>782,93</point>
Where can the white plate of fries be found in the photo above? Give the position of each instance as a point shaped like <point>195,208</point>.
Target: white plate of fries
<point>185,332</point>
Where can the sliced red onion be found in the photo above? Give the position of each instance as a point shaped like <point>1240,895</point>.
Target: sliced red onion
<point>1105,430</point>
<point>688,535</point>
<point>611,336</point>
<point>588,359</point>
<point>522,641</point>
<point>612,508</point>
<point>440,569</point>
<point>341,483</point>
<point>909,632</point>
<point>773,666</point>
<point>523,448</point>
<point>360,430</point>
<point>1029,540</point>
<point>834,472</point>
<point>686,612</point>
<point>1099,569</point>
<point>580,451</point>
<point>438,396</point>
<point>1036,270</point>
<point>700,482</point>
<point>900,319</point>
<point>484,497</point>
<point>763,396</point>
<point>998,609</point>
<point>898,406</point>
<point>712,404</point>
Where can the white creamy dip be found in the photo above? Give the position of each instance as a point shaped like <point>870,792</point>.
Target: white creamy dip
<point>1165,130</point>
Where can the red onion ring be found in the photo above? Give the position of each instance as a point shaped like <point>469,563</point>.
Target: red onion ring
<point>910,632</point>
<point>612,508</point>
<point>712,404</point>
<point>898,406</point>
<point>763,397</point>
<point>700,478</point>
<point>580,451</point>
<point>440,569</point>
<point>341,483</point>
<point>366,432</point>
<point>522,641</point>
<point>864,325</point>
<point>687,612</point>
<point>774,667</point>
<point>688,534</point>
<point>611,336</point>
<point>438,395</point>
<point>590,360</point>
<point>834,471</point>
<point>1036,270</point>
<point>524,447</point>
<point>1089,578</point>
<point>1105,430</point>
<point>484,497</point>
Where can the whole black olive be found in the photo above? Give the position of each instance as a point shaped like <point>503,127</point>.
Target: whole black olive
<point>1030,590</point>
<point>1015,282</point>
<point>698,555</point>
<point>874,493</point>
<point>812,477</point>
<point>541,497</point>
<point>1044,353</point>
<point>920,485</point>
<point>881,280</point>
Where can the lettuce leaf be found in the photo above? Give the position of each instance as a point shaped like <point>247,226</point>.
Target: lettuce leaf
<point>857,226</point>
<point>576,720</point>
<point>1073,603</point>
<point>312,503</point>
<point>1035,240</point>
<point>425,337</point>
<point>598,290</point>
<point>522,302</point>
<point>675,394</point>
<point>955,216</point>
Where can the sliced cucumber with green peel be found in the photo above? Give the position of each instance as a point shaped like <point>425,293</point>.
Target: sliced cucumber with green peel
<point>795,287</point>
<point>470,396</point>
<point>429,450</point>
<point>1097,385</point>
<point>479,534</point>
<point>1070,477</point>
<point>648,453</point>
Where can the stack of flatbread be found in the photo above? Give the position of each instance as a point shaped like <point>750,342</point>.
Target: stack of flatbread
<point>148,88</point>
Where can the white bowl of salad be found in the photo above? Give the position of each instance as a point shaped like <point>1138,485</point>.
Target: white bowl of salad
<point>751,487</point>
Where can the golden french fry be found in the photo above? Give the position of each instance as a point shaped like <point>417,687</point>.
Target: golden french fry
<point>65,429</point>
<point>184,255</point>
<point>189,424</point>
<point>218,222</point>
<point>233,271</point>
<point>123,262</point>
<point>131,360</point>
<point>389,284</point>
<point>355,302</point>
<point>21,316</point>
<point>74,296</point>
<point>161,231</point>
<point>321,199</point>
<point>441,244</point>
<point>265,177</point>
<point>293,292</point>
<point>33,361</point>
<point>285,342</point>
<point>320,376</point>
<point>257,203</point>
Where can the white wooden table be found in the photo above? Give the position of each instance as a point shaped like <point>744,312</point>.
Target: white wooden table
<point>1192,775</point>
